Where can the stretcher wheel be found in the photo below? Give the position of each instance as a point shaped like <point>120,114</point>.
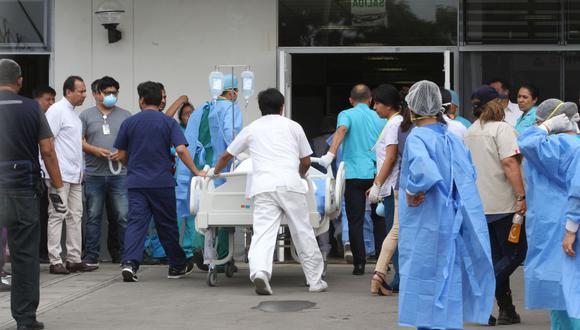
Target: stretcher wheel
<point>212,277</point>
<point>230,269</point>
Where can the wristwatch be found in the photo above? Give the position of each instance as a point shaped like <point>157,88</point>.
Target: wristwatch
<point>520,198</point>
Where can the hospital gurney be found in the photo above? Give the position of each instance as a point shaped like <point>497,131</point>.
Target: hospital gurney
<point>227,206</point>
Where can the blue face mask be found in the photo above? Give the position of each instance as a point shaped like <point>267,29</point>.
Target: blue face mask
<point>380,209</point>
<point>109,100</point>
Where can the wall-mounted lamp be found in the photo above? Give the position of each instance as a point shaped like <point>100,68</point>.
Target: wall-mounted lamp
<point>109,14</point>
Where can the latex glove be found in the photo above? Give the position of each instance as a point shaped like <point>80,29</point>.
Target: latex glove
<point>560,123</point>
<point>374,194</point>
<point>57,198</point>
<point>326,160</point>
<point>210,173</point>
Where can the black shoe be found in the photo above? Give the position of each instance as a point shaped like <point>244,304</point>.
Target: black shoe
<point>198,260</point>
<point>31,326</point>
<point>174,273</point>
<point>492,321</point>
<point>507,317</point>
<point>358,270</point>
<point>129,272</point>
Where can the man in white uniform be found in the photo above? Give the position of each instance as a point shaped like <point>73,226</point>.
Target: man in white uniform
<point>280,157</point>
<point>512,110</point>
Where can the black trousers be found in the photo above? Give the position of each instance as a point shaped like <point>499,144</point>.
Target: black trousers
<point>506,257</point>
<point>19,213</point>
<point>43,217</point>
<point>355,198</point>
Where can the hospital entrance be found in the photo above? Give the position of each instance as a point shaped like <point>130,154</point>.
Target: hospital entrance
<point>318,87</point>
<point>321,83</point>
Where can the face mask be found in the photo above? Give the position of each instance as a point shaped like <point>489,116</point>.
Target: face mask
<point>109,100</point>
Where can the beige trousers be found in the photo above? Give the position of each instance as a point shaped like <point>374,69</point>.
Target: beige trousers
<point>390,243</point>
<point>72,218</point>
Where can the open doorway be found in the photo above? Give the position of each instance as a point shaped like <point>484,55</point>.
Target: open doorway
<point>321,83</point>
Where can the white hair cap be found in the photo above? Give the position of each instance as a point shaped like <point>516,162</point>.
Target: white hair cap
<point>424,98</point>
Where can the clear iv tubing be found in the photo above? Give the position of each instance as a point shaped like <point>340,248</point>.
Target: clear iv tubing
<point>113,170</point>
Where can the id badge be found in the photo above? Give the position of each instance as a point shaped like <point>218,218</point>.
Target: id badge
<point>106,129</point>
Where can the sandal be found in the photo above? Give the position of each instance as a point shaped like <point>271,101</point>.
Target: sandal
<point>379,285</point>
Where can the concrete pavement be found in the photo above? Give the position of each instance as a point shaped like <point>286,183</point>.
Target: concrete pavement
<point>100,300</point>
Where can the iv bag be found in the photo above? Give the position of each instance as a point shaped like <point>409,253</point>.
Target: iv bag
<point>247,84</point>
<point>216,84</point>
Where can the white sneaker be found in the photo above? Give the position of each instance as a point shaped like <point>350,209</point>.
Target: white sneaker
<point>262,285</point>
<point>348,253</point>
<point>321,287</point>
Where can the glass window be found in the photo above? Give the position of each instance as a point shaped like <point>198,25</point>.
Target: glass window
<point>541,69</point>
<point>306,23</point>
<point>573,19</point>
<point>23,24</point>
<point>35,70</point>
<point>571,74</point>
<point>514,21</point>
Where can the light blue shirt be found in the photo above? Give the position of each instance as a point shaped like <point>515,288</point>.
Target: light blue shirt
<point>527,120</point>
<point>464,121</point>
<point>363,129</point>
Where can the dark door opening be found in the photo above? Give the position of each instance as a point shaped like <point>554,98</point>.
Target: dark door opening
<point>321,83</point>
<point>35,71</point>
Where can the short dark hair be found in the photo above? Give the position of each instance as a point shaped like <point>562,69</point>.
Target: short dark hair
<point>69,84</point>
<point>270,101</point>
<point>95,86</point>
<point>161,85</point>
<point>9,71</point>
<point>107,82</point>
<point>503,82</point>
<point>360,93</point>
<point>534,90</point>
<point>150,92</point>
<point>387,95</point>
<point>41,90</point>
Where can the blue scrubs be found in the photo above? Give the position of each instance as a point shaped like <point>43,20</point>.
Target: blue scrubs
<point>223,120</point>
<point>552,173</point>
<point>446,270</point>
<point>526,121</point>
<point>147,137</point>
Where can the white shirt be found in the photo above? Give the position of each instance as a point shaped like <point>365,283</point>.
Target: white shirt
<point>276,145</point>
<point>455,127</point>
<point>512,114</point>
<point>389,136</point>
<point>68,140</point>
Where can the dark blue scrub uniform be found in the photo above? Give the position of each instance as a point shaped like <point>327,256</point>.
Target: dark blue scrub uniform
<point>148,137</point>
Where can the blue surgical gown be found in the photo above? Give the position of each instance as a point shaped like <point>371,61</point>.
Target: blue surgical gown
<point>446,269</point>
<point>552,174</point>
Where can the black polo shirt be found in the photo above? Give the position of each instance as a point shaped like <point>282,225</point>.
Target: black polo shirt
<point>22,126</point>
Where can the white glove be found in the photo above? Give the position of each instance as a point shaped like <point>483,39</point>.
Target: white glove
<point>560,123</point>
<point>57,197</point>
<point>374,194</point>
<point>326,160</point>
<point>210,173</point>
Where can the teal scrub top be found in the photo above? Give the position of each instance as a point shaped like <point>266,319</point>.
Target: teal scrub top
<point>464,121</point>
<point>527,120</point>
<point>363,129</point>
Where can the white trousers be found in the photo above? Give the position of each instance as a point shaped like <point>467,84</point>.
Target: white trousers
<point>72,218</point>
<point>269,208</point>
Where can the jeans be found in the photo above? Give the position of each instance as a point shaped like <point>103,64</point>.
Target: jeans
<point>19,213</point>
<point>100,191</point>
<point>506,257</point>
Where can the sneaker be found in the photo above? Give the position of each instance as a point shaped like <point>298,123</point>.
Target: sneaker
<point>175,273</point>
<point>321,287</point>
<point>31,326</point>
<point>92,264</point>
<point>5,281</point>
<point>507,317</point>
<point>129,272</point>
<point>347,253</point>
<point>262,285</point>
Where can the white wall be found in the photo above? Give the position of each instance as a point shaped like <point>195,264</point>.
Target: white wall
<point>176,42</point>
